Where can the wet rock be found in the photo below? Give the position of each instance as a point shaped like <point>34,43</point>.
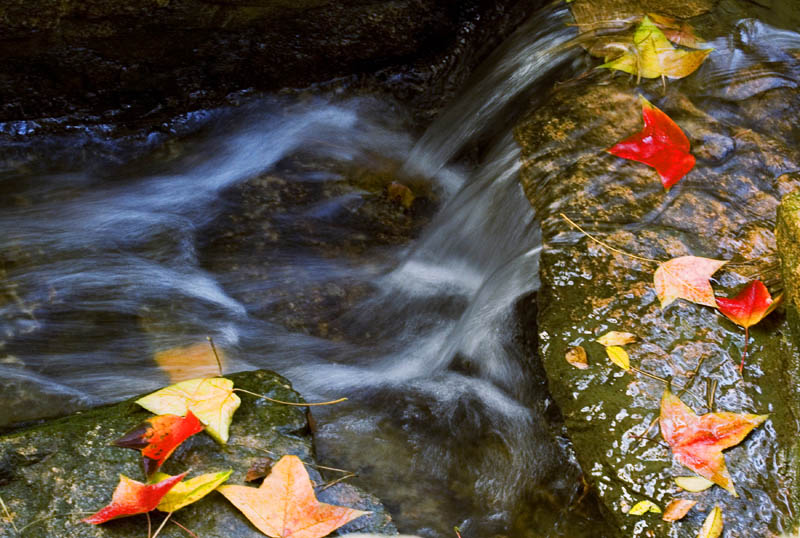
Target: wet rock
<point>54,474</point>
<point>146,60</point>
<point>788,235</point>
<point>724,208</point>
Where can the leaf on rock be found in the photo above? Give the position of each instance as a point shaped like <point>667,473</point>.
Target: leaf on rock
<point>189,362</point>
<point>693,484</point>
<point>750,306</point>
<point>687,278</point>
<point>211,399</point>
<point>616,338</point>
<point>698,441</point>
<point>652,55</point>
<point>192,490</point>
<point>285,505</point>
<point>678,31</point>
<point>258,469</point>
<point>576,356</point>
<point>158,437</point>
<point>619,357</point>
<point>660,144</point>
<point>712,526</point>
<point>642,507</point>
<point>132,497</point>
<point>677,508</point>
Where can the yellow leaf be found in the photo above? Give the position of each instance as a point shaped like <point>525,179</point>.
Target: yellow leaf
<point>653,55</point>
<point>677,508</point>
<point>211,399</point>
<point>693,483</point>
<point>189,362</point>
<point>576,356</point>
<point>642,507</point>
<point>615,338</point>
<point>285,505</point>
<point>619,357</point>
<point>189,491</point>
<point>687,278</point>
<point>712,527</point>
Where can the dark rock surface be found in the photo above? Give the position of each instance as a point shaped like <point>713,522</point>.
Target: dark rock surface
<point>140,61</point>
<point>788,236</point>
<point>54,474</point>
<point>725,209</point>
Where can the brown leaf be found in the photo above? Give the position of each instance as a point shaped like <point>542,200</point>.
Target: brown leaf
<point>189,362</point>
<point>576,356</point>
<point>616,338</point>
<point>687,278</point>
<point>258,469</point>
<point>677,508</point>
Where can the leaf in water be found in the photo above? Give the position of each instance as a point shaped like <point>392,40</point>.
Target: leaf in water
<point>616,338</point>
<point>678,31</point>
<point>189,362</point>
<point>687,278</point>
<point>698,442</point>
<point>576,356</point>
<point>677,508</point>
<point>750,306</point>
<point>132,497</point>
<point>693,484</point>
<point>642,507</point>
<point>660,144</point>
<point>192,490</point>
<point>211,399</point>
<point>653,55</point>
<point>712,526</point>
<point>619,357</point>
<point>285,505</point>
<point>158,437</point>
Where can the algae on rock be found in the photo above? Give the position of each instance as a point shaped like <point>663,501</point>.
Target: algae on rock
<point>788,236</point>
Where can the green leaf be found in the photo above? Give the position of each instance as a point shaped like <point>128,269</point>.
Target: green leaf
<point>189,491</point>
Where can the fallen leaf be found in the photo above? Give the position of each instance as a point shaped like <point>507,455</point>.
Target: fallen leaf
<point>132,497</point>
<point>698,442</point>
<point>576,356</point>
<point>259,469</point>
<point>616,338</point>
<point>652,55</point>
<point>750,306</point>
<point>285,505</point>
<point>211,399</point>
<point>677,508</point>
<point>158,437</point>
<point>660,144</point>
<point>678,31</point>
<point>693,484</point>
<point>619,357</point>
<point>712,526</point>
<point>189,362</point>
<point>642,507</point>
<point>687,278</point>
<point>189,491</point>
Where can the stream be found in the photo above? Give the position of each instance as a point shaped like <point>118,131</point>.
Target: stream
<point>267,227</point>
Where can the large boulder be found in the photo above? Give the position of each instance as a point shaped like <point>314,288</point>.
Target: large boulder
<point>744,141</point>
<point>54,474</point>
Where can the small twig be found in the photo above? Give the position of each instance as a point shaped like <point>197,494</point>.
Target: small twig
<point>276,456</point>
<point>158,530</point>
<point>216,355</point>
<point>149,525</point>
<point>606,245</point>
<point>8,515</point>
<point>334,482</point>
<point>340,400</point>
<point>711,389</point>
<point>457,531</point>
<point>187,531</point>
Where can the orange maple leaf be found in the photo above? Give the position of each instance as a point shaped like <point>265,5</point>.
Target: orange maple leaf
<point>698,441</point>
<point>687,278</point>
<point>285,505</point>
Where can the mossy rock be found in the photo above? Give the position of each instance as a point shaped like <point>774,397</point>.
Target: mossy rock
<point>52,475</point>
<point>788,237</point>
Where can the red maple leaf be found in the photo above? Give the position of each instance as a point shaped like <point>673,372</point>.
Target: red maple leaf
<point>132,497</point>
<point>158,437</point>
<point>660,144</point>
<point>749,307</point>
<point>698,441</point>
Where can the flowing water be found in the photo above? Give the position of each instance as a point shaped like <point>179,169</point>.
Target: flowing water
<point>265,226</point>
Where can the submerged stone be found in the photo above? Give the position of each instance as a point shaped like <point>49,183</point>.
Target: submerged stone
<point>788,236</point>
<point>55,474</point>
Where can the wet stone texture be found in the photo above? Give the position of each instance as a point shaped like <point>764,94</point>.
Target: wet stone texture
<point>725,208</point>
<point>788,235</point>
<point>54,474</point>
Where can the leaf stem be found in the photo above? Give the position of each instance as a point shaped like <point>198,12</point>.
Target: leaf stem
<point>216,355</point>
<point>158,530</point>
<point>334,482</point>
<point>606,245</point>
<point>8,516</point>
<point>296,404</point>
<point>187,531</point>
<point>149,525</point>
